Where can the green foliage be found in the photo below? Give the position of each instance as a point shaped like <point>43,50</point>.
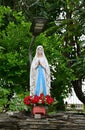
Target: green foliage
<point>17,104</point>
<point>3,97</point>
<point>14,38</point>
<point>69,27</point>
<point>14,61</point>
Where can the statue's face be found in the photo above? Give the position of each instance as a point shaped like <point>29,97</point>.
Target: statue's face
<point>40,51</point>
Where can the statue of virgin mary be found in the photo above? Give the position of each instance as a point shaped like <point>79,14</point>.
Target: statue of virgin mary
<point>39,74</point>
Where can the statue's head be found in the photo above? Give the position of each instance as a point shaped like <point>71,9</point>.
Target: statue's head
<point>40,50</point>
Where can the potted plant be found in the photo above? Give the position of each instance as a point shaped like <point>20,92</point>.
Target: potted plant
<point>38,103</point>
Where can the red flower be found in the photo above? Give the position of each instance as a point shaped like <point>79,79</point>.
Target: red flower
<point>35,100</point>
<point>41,95</point>
<point>29,100</point>
<point>27,103</point>
<point>47,96</point>
<point>49,99</point>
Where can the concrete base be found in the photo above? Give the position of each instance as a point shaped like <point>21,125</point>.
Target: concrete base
<point>37,116</point>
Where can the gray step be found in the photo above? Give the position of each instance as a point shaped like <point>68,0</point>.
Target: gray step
<point>55,122</point>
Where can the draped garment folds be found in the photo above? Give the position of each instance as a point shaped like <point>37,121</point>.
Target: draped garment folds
<point>39,75</point>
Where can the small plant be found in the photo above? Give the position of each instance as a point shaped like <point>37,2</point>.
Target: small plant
<point>84,109</point>
<point>73,106</point>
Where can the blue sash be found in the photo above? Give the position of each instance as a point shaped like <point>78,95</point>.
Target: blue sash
<point>40,80</point>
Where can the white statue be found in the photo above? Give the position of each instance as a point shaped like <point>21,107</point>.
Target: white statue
<point>39,74</point>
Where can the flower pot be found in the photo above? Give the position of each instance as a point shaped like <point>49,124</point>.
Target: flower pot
<point>39,110</point>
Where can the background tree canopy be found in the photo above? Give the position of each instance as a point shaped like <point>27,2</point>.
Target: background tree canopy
<point>63,43</point>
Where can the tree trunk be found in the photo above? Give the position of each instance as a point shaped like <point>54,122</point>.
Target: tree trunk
<point>77,85</point>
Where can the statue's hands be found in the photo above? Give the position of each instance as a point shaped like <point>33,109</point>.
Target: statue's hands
<point>39,62</point>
